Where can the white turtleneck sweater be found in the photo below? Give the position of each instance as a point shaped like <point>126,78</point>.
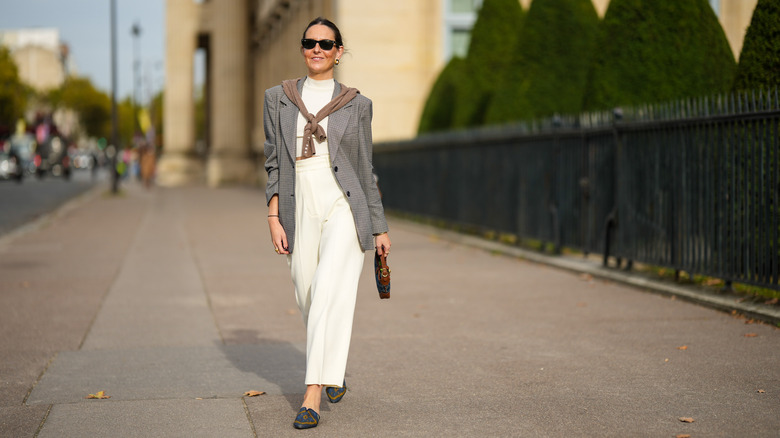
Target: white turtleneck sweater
<point>315,94</point>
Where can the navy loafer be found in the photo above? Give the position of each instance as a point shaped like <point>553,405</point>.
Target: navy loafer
<point>336,393</point>
<point>306,419</point>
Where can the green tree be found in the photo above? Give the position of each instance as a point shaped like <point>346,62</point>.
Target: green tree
<point>439,109</point>
<point>13,94</point>
<point>127,121</point>
<point>156,111</point>
<point>92,105</point>
<point>551,63</point>
<point>650,51</point>
<point>759,62</point>
<point>493,41</point>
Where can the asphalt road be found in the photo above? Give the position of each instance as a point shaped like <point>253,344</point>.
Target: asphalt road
<point>22,203</point>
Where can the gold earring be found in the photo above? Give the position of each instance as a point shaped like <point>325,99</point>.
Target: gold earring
<point>337,61</point>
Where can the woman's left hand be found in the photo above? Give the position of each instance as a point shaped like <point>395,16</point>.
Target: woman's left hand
<point>382,244</point>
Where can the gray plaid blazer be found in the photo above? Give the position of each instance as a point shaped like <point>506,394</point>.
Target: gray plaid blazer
<point>350,147</point>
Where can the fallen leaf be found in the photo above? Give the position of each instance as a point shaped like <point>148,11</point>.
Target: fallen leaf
<point>772,301</point>
<point>750,321</point>
<point>750,335</point>
<point>291,311</point>
<point>686,419</point>
<point>761,391</point>
<point>666,360</point>
<point>582,304</point>
<point>683,435</point>
<point>712,282</point>
<point>100,395</point>
<point>684,347</point>
<point>254,393</point>
<point>586,277</point>
<point>25,284</point>
<point>199,398</point>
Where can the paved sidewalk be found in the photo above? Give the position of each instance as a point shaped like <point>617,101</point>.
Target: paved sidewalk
<point>173,302</point>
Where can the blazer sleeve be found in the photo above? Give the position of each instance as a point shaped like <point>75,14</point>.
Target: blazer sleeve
<point>271,146</point>
<point>365,157</point>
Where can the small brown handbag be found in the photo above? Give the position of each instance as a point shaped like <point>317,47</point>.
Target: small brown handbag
<point>382,274</point>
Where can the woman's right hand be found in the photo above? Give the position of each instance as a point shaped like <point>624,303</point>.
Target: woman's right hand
<point>278,236</point>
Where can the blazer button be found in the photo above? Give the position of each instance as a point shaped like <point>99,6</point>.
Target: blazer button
<point>336,169</point>
<point>347,194</point>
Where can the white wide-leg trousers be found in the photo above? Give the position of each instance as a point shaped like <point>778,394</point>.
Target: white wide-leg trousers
<point>325,266</point>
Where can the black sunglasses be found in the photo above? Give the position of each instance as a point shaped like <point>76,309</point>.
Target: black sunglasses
<point>309,44</point>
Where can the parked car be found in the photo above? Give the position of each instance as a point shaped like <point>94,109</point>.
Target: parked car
<point>10,167</point>
<point>23,145</point>
<point>82,160</point>
<point>51,157</point>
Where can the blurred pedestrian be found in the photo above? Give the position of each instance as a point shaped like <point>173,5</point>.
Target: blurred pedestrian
<point>93,165</point>
<point>148,164</point>
<point>324,208</point>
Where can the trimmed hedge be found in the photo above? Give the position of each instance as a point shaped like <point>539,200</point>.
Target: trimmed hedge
<point>651,51</point>
<point>549,69</point>
<point>439,109</point>
<point>759,62</point>
<point>493,41</point>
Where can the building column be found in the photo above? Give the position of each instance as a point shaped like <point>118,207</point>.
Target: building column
<point>179,163</point>
<point>230,158</point>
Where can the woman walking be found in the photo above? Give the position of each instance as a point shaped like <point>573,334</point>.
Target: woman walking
<point>324,208</point>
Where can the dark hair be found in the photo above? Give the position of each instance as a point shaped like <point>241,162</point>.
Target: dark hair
<point>330,24</point>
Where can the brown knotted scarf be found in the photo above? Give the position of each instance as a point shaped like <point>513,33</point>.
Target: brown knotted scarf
<point>313,127</point>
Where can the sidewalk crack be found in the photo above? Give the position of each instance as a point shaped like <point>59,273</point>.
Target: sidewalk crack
<point>43,422</point>
<point>249,417</point>
<point>40,376</point>
<point>202,277</point>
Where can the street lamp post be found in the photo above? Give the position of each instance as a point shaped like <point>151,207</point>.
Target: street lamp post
<point>137,130</point>
<point>114,114</point>
<point>136,32</point>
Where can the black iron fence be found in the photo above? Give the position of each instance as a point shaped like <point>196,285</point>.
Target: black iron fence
<point>692,185</point>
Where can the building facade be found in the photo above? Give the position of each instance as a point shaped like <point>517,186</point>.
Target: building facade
<point>395,50</point>
<point>40,56</point>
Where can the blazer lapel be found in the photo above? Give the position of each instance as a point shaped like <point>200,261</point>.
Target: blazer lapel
<point>288,111</point>
<point>337,124</point>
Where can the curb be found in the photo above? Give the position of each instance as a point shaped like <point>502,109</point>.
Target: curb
<point>769,314</point>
